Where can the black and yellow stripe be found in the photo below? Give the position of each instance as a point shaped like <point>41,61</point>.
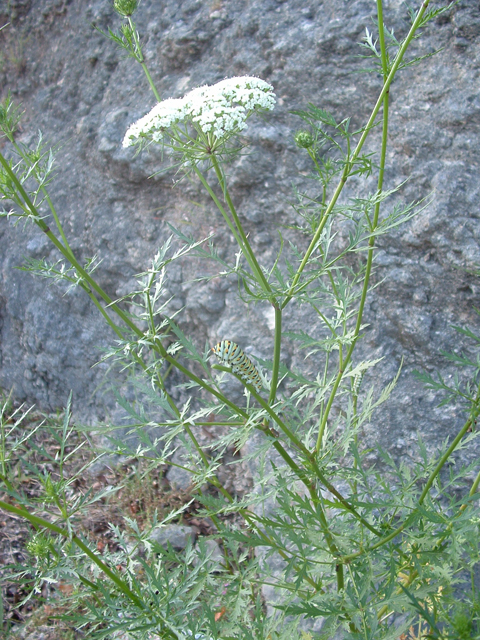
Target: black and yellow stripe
<point>230,353</point>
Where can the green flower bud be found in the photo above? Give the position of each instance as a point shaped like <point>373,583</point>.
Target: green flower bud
<point>125,7</point>
<point>9,117</point>
<point>39,546</point>
<point>304,139</point>
<point>50,488</point>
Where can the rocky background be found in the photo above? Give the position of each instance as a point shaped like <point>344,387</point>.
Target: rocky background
<point>80,91</point>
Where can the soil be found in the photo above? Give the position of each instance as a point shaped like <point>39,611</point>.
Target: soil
<point>139,493</point>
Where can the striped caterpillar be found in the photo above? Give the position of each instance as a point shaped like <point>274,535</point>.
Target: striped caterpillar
<point>230,353</point>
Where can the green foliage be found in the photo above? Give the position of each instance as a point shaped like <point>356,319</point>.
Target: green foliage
<point>378,551</point>
<point>10,116</point>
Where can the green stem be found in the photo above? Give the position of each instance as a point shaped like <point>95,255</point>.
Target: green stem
<point>214,480</point>
<point>150,81</point>
<point>359,146</point>
<point>221,208</point>
<point>316,237</point>
<point>437,548</point>
<point>342,500</point>
<point>141,59</point>
<point>322,425</point>
<point>105,315</point>
<point>276,354</point>
<point>371,242</point>
<point>252,261</point>
<point>290,435</point>
<point>283,554</point>
<point>381,37</point>
<point>473,489</point>
<point>107,299</point>
<point>447,454</point>
<point>47,198</point>
<point>328,535</point>
<point>217,423</point>
<point>41,522</point>
<point>64,251</point>
<point>380,543</point>
<point>201,383</point>
<point>301,447</point>
<point>153,331</point>
<point>424,493</point>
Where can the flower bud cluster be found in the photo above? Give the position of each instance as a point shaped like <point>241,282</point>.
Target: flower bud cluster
<point>221,109</point>
<point>125,7</point>
<point>39,546</point>
<point>304,139</point>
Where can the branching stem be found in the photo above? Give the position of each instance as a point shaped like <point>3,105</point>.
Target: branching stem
<point>361,142</point>
<point>371,243</point>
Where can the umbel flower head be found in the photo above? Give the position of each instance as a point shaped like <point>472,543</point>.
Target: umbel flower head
<point>304,139</point>
<point>125,7</point>
<point>220,110</point>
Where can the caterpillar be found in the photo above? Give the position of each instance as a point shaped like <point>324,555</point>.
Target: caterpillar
<point>357,381</point>
<point>230,353</point>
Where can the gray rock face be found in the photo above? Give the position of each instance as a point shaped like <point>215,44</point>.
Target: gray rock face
<point>79,90</point>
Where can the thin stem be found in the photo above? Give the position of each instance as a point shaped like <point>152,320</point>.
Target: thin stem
<point>105,315</point>
<point>316,237</point>
<point>448,453</point>
<point>141,59</point>
<point>111,304</point>
<point>355,437</point>
<point>371,245</point>
<point>290,435</point>
<point>64,251</point>
<point>309,456</point>
<point>380,543</point>
<point>201,383</point>
<point>153,331</point>
<point>253,261</point>
<point>276,354</point>
<point>381,37</point>
<point>150,81</point>
<point>215,481</point>
<point>157,346</point>
<point>328,536</point>
<point>41,522</point>
<point>384,610</point>
<point>283,554</point>
<point>322,425</point>
<point>359,146</point>
<point>217,423</point>
<point>472,491</point>
<point>424,493</point>
<point>221,208</point>
<point>47,197</point>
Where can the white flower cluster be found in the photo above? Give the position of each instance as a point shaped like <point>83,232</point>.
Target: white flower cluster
<point>221,109</point>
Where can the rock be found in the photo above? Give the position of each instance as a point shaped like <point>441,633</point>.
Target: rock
<point>177,477</point>
<point>49,342</point>
<point>178,535</point>
<point>211,548</point>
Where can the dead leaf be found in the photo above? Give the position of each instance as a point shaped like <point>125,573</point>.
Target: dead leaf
<point>220,613</point>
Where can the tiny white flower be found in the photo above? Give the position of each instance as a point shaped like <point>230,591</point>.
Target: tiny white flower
<point>221,109</point>
<point>162,116</point>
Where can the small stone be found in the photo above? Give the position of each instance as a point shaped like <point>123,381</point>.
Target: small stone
<point>179,478</point>
<point>263,238</point>
<point>178,535</point>
<point>214,551</point>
